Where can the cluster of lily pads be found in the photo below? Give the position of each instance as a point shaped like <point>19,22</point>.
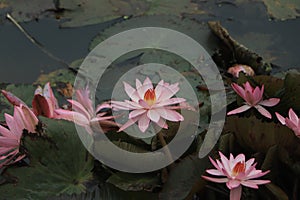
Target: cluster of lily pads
<point>147,104</point>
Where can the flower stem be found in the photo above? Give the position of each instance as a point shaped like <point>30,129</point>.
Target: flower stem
<point>166,149</point>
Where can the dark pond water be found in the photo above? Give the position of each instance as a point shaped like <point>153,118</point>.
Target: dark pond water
<point>22,62</point>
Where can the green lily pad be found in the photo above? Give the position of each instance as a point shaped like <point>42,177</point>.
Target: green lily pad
<point>291,96</point>
<point>134,182</point>
<point>55,168</point>
<point>82,13</point>
<point>24,11</point>
<point>283,9</point>
<point>177,7</point>
<point>183,177</point>
<point>199,32</point>
<point>87,12</point>
<point>255,135</point>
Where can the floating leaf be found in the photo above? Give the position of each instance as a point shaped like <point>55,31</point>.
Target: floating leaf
<point>134,182</point>
<point>258,136</point>
<point>291,96</point>
<point>198,31</point>
<point>24,11</point>
<point>283,9</point>
<point>177,7</point>
<point>88,12</point>
<point>183,177</point>
<point>55,168</point>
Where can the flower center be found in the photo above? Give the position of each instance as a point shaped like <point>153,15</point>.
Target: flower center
<point>238,168</point>
<point>150,97</point>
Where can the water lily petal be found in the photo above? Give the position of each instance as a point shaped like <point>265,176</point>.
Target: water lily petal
<point>169,102</point>
<point>215,172</point>
<point>263,111</point>
<point>162,123</point>
<point>76,106</point>
<point>153,115</point>
<point>293,117</point>
<point>128,123</point>
<point>73,116</point>
<point>8,142</point>
<point>239,110</point>
<point>12,98</point>
<point>143,122</point>
<point>136,113</point>
<point>216,180</point>
<point>131,92</point>
<point>280,118</point>
<point>6,133</point>
<point>238,89</point>
<point>169,114</point>
<point>29,118</point>
<point>232,183</point>
<point>270,102</point>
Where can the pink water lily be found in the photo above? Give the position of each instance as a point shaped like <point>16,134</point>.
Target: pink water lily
<point>150,104</point>
<point>253,98</point>
<point>10,138</point>
<point>293,121</point>
<point>237,172</point>
<point>44,102</point>
<point>84,114</point>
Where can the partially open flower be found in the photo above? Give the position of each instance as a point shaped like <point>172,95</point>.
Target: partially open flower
<point>293,121</point>
<point>44,102</point>
<point>84,114</point>
<point>253,98</point>
<point>151,104</point>
<point>236,172</point>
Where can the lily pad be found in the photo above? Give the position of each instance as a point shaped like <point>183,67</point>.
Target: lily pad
<point>283,9</point>
<point>183,177</point>
<point>24,11</point>
<point>55,168</point>
<point>134,182</point>
<point>255,135</point>
<point>177,7</point>
<point>198,31</point>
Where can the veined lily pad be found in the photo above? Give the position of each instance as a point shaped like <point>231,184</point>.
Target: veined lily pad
<point>58,165</point>
<point>183,178</point>
<point>253,134</point>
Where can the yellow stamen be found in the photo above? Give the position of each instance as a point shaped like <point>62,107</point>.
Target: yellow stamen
<point>238,168</point>
<point>150,97</point>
